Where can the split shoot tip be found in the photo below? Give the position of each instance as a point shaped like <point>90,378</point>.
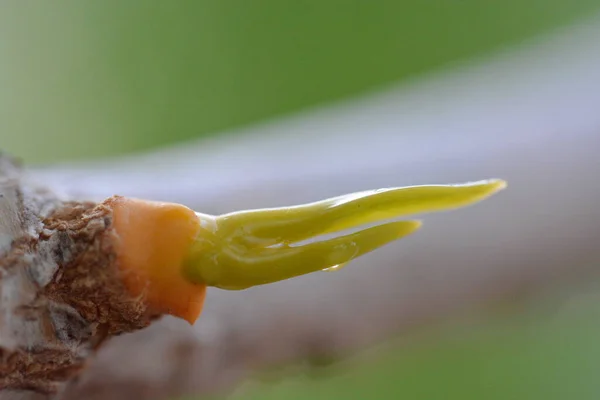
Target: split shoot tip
<point>170,254</point>
<point>255,247</point>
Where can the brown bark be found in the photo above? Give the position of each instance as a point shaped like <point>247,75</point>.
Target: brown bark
<point>530,118</point>
<point>59,285</point>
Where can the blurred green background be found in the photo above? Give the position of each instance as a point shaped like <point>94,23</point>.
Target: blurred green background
<point>518,357</point>
<point>86,79</point>
<point>83,79</point>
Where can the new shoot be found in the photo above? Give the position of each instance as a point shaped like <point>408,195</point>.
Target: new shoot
<point>169,254</point>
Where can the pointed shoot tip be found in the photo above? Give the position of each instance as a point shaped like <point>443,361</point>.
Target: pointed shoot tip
<point>257,247</point>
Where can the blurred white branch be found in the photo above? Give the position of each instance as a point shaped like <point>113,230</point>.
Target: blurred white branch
<point>531,117</point>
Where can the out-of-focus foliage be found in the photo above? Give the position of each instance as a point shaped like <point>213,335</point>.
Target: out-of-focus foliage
<point>517,358</point>
<point>91,78</point>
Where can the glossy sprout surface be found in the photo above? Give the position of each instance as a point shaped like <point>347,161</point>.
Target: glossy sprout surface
<point>248,248</point>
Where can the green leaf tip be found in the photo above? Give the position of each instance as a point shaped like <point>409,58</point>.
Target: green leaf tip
<point>248,248</point>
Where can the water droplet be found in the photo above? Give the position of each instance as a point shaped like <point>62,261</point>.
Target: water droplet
<point>335,267</point>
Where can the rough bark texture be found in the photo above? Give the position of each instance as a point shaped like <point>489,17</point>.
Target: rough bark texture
<point>531,118</point>
<point>61,295</point>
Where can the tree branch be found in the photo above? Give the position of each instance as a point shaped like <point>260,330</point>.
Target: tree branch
<point>61,295</point>
<point>528,117</point>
